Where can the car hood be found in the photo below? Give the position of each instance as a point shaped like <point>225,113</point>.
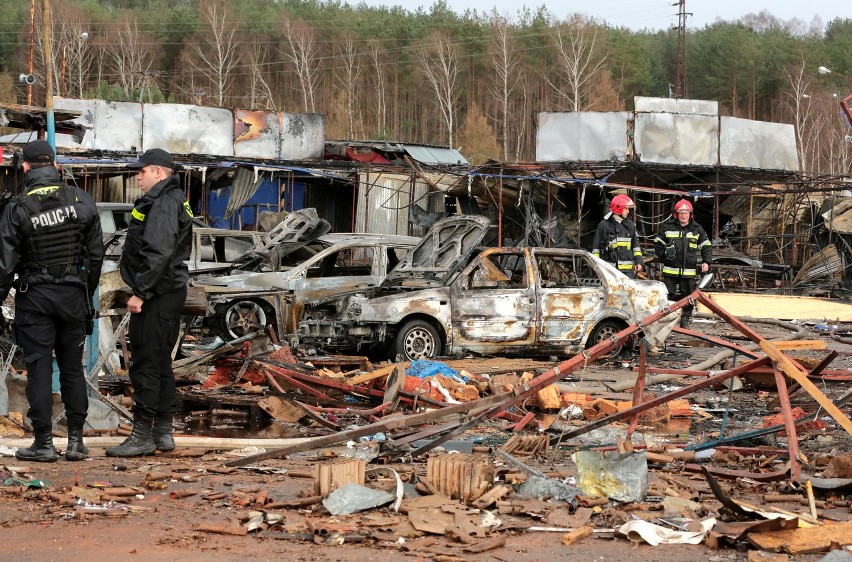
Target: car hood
<point>296,230</point>
<point>442,251</point>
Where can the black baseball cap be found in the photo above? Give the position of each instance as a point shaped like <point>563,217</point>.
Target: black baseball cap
<point>154,157</point>
<point>38,151</point>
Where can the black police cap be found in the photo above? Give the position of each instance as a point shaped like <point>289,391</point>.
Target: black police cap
<point>154,157</point>
<point>38,151</point>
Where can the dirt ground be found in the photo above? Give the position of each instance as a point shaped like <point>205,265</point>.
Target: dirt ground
<point>162,525</point>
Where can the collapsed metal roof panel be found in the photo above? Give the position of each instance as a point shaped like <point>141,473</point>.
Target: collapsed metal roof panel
<point>434,155</point>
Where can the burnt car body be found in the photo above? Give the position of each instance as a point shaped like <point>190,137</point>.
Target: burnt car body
<point>247,301</point>
<point>508,301</point>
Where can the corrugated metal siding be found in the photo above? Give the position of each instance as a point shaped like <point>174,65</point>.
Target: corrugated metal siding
<point>383,202</point>
<point>434,155</point>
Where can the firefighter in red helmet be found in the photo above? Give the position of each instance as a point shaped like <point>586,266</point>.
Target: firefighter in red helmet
<point>684,248</point>
<point>615,239</point>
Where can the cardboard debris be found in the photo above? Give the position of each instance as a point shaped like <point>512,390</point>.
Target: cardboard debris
<point>812,540</point>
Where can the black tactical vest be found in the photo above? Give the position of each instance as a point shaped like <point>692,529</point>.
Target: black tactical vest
<point>54,234</point>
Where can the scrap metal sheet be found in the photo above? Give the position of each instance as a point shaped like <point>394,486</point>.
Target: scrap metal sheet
<point>278,136</point>
<point>670,138</point>
<point>257,134</point>
<point>109,125</point>
<point>675,105</point>
<point>758,144</point>
<point>188,129</point>
<point>302,136</point>
<point>435,155</point>
<point>581,136</point>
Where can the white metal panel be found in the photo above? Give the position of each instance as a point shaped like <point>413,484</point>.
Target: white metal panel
<point>670,138</point>
<point>302,136</point>
<point>581,136</point>
<point>758,144</point>
<point>109,125</point>
<point>188,129</point>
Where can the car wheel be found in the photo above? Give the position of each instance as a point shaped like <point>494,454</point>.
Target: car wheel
<point>244,317</point>
<point>604,331</point>
<point>417,339</point>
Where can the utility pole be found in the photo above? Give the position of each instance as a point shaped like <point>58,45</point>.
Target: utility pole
<point>680,77</point>
<point>32,44</point>
<point>47,35</point>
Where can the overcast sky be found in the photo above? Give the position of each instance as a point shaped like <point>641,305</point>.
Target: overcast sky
<point>652,14</point>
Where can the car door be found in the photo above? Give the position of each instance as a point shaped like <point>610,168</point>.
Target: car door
<point>493,302</point>
<point>570,293</point>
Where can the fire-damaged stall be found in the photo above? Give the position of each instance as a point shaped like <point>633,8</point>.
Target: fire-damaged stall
<point>765,217</point>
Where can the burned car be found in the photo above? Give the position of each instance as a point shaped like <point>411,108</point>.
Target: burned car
<point>248,301</point>
<point>509,301</point>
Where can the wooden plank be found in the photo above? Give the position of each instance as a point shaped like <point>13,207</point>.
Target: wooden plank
<point>801,377</point>
<point>378,373</point>
<point>803,541</point>
<point>800,344</point>
<point>785,307</point>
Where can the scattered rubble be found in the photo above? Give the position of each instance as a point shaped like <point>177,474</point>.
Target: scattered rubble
<point>456,460</point>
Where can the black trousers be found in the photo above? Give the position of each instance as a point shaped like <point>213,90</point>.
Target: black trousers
<point>153,334</point>
<point>51,318</point>
<point>682,285</point>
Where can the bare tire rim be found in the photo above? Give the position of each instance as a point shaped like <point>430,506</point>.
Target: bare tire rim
<point>418,343</point>
<point>244,318</point>
<point>606,333</point>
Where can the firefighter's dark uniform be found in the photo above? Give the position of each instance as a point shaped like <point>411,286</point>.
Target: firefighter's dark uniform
<point>158,242</point>
<point>50,237</point>
<point>616,242</point>
<point>682,249</point>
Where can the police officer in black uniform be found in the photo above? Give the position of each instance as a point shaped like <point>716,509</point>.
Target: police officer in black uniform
<point>51,251</point>
<point>158,243</point>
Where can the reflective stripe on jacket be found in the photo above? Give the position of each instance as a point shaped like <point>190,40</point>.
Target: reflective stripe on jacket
<point>682,248</point>
<point>617,243</point>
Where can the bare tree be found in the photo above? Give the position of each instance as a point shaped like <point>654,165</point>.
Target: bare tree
<point>579,57</point>
<point>504,62</point>
<point>300,50</point>
<point>256,56</point>
<point>217,49</point>
<point>799,104</point>
<point>131,54</point>
<point>72,55</point>
<point>439,63</point>
<point>346,75</point>
<point>380,87</point>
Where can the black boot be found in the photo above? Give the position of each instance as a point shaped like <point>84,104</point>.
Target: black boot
<point>41,450</point>
<point>139,443</point>
<point>684,321</point>
<point>162,433</point>
<point>76,451</point>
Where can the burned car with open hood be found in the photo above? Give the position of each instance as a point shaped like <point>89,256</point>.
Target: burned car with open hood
<point>449,297</point>
<point>268,286</point>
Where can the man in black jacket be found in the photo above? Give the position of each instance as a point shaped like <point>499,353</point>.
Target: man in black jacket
<point>152,263</point>
<point>51,251</point>
<point>684,249</point>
